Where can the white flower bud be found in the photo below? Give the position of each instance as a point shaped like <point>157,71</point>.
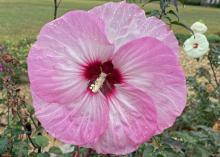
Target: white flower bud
<point>199,27</point>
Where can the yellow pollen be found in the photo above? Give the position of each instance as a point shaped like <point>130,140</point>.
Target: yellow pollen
<point>98,83</point>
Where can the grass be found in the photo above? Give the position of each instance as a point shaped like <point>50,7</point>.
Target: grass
<point>189,14</point>
<point>24,18</point>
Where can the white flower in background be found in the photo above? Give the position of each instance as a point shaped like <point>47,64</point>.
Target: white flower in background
<point>199,27</point>
<point>196,46</point>
<point>67,148</point>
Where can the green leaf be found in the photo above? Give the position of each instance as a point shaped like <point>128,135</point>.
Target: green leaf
<point>30,109</point>
<point>173,13</point>
<point>216,138</point>
<point>176,5</point>
<point>200,152</point>
<point>41,140</point>
<point>168,18</point>
<point>33,154</point>
<point>17,131</point>
<point>169,153</point>
<point>148,151</point>
<point>182,25</point>
<point>55,150</point>
<point>149,1</point>
<point>162,6</point>
<point>43,155</point>
<point>21,149</point>
<point>186,137</point>
<point>153,13</point>
<point>3,144</point>
<point>152,1</point>
<point>2,101</point>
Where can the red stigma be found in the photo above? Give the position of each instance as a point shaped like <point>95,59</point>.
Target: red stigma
<point>196,45</point>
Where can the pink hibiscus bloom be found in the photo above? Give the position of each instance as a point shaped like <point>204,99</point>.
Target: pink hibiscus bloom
<point>107,79</point>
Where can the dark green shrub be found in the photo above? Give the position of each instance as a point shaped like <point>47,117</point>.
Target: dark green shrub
<point>193,2</point>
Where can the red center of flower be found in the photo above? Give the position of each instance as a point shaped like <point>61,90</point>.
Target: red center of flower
<point>102,77</point>
<point>195,45</point>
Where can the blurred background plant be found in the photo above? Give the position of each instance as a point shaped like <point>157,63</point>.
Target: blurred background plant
<point>195,134</point>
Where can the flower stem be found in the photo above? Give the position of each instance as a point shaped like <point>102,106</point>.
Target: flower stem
<point>32,119</point>
<point>77,153</point>
<point>28,135</point>
<point>56,6</point>
<point>213,71</point>
<point>89,153</point>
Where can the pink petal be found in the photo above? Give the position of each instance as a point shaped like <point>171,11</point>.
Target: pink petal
<point>132,121</point>
<point>80,34</point>
<point>153,27</point>
<point>64,46</point>
<point>126,22</point>
<point>81,122</point>
<point>151,66</point>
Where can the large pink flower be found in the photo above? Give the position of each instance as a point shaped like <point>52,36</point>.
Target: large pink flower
<point>107,79</point>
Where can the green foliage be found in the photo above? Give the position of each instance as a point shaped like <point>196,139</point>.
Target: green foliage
<point>215,55</point>
<point>40,140</point>
<point>213,38</point>
<point>148,151</point>
<point>167,14</point>
<point>193,2</point>
<point>3,144</point>
<point>20,148</point>
<point>43,155</point>
<point>55,150</point>
<point>200,143</point>
<point>19,50</point>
